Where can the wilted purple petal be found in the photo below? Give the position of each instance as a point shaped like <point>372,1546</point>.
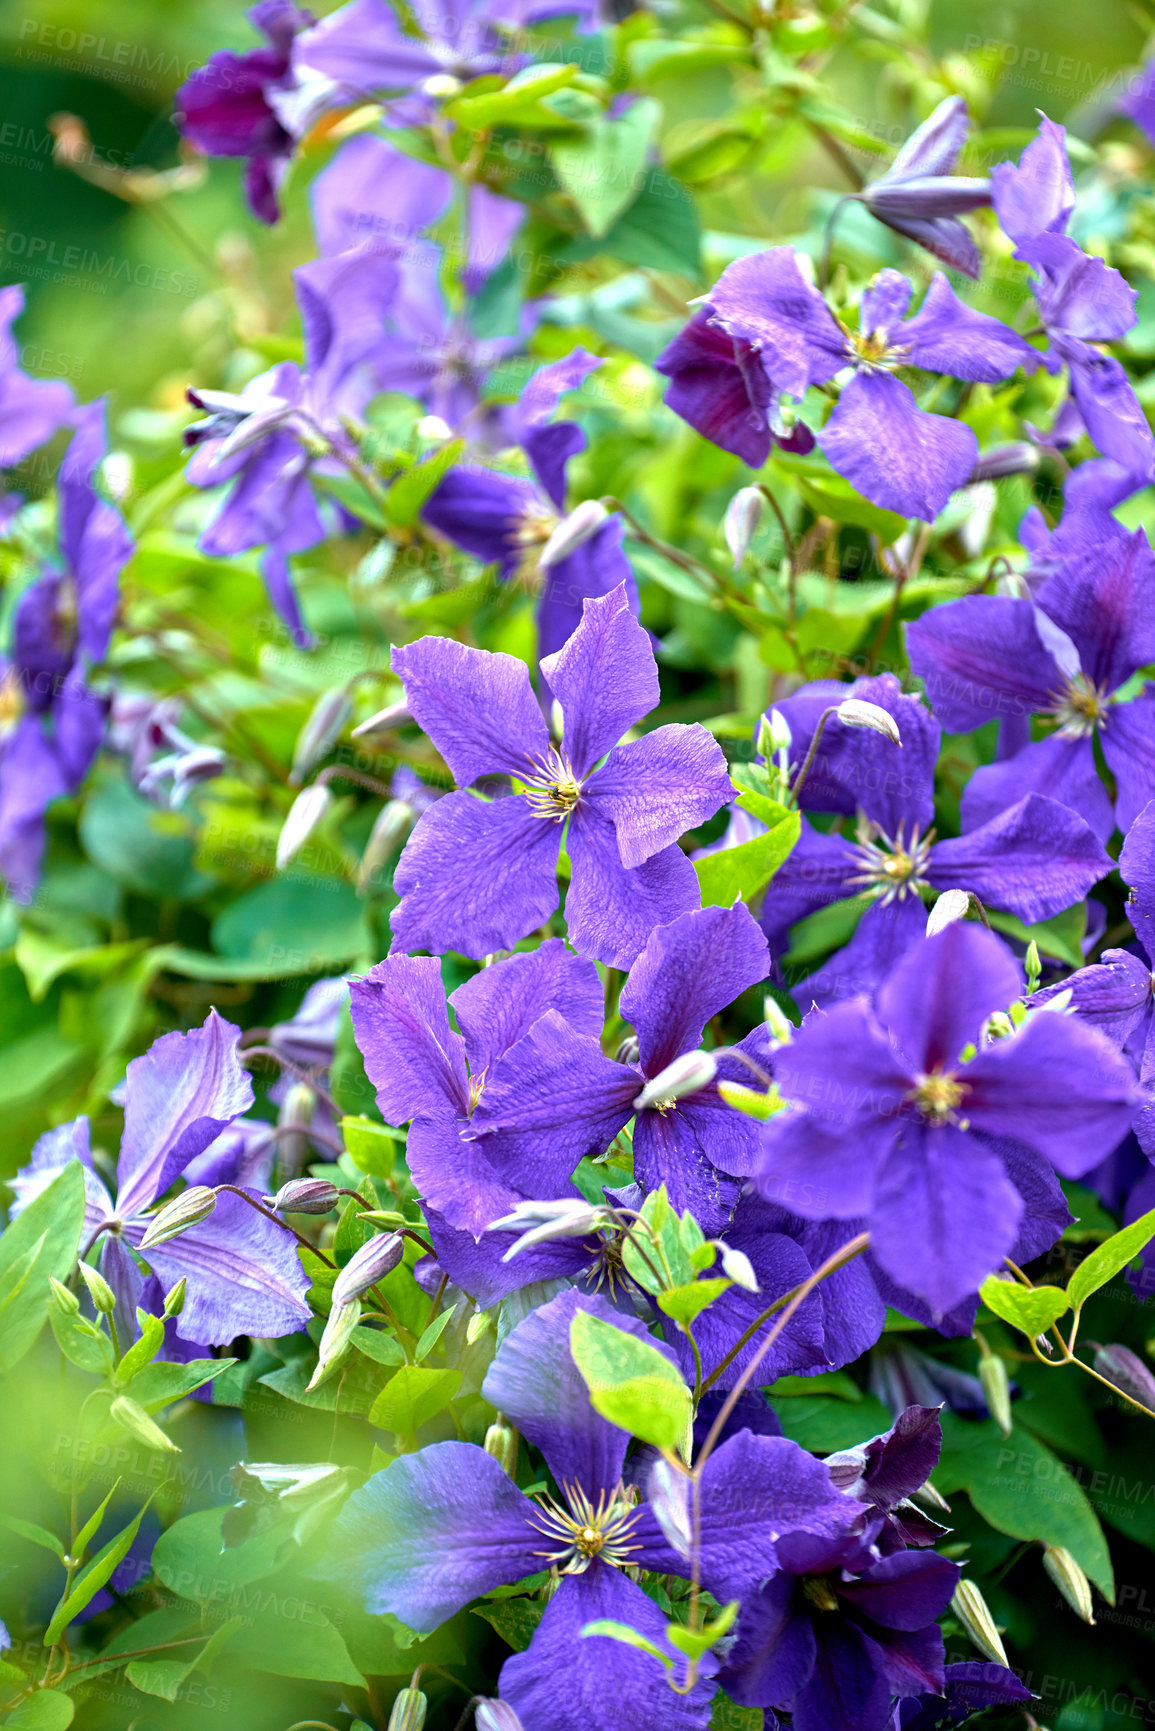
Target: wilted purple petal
<point>1038,196</point>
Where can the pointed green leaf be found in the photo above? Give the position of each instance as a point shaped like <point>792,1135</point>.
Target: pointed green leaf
<point>1031,1309</point>
<point>694,1643</point>
<point>631,1383</point>
<point>34,1534</point>
<point>411,1398</point>
<point>602,169</point>
<point>745,870</point>
<point>51,1224</point>
<point>683,1303</point>
<point>1109,1259</point>
<point>90,1580</point>
<point>432,1335</point>
<point>629,1637</point>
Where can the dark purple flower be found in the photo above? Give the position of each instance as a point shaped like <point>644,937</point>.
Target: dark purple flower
<point>243,1272</point>
<point>1081,300</point>
<point>896,454</point>
<point>51,720</point>
<point>967,1689</point>
<point>1068,656</point>
<point>479,874</point>
<point>920,198</point>
<point>1033,859</point>
<point>439,1528</point>
<point>31,410</point>
<point>226,108</point>
<point>505,520</point>
<point>559,1097</point>
<point>719,386</point>
<point>885,1472</point>
<point>892,1125</point>
<point>269,440</point>
<point>841,1630</point>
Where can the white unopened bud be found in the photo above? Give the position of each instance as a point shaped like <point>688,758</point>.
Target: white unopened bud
<point>781,1028</point>
<point>394,821</point>
<point>501,1444</point>
<point>189,1209</point>
<point>479,1323</point>
<point>542,1222</point>
<point>974,1614</point>
<point>736,1266</point>
<point>583,521</point>
<point>306,1196</point>
<point>131,1416</point>
<point>743,515</point>
<point>668,1496</point>
<point>952,905</point>
<point>774,733</point>
<point>305,814</point>
<point>376,1258</point>
<point>442,86</point>
<point>1070,1580</point>
<point>409,1708</point>
<point>321,732</point>
<point>686,1075</point>
<point>997,1389</point>
<point>856,712</point>
<point>100,1292</point>
<point>432,427</point>
<point>386,720</point>
<point>342,1320</point>
<point>496,1716</point>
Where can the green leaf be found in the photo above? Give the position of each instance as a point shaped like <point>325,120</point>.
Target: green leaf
<point>143,1350</point>
<point>50,1226</point>
<point>91,1579</point>
<point>371,1147</point>
<point>313,923</point>
<point>80,1341</point>
<point>158,1385</point>
<point>518,104</point>
<point>376,1344</point>
<point>838,500</point>
<point>694,1645</point>
<point>190,1560</point>
<point>1031,1309</point>
<point>631,1383</point>
<point>515,1620</point>
<point>432,1335</point>
<point>603,169</point>
<point>1060,937</point>
<point>147,850</point>
<point>659,231</point>
<point>47,1710</point>
<point>1019,1487</point>
<point>726,1715</point>
<point>823,1423</point>
<point>92,1525</point>
<point>161,1677</point>
<point>410,490</point>
<point>656,58</point>
<point>314,1649</point>
<point>675,1259</point>
<point>34,1534</point>
<point>351,492</point>
<point>744,871</point>
<point>1109,1259</point>
<point>411,1398</point>
<point>683,1303</point>
<point>629,1637</point>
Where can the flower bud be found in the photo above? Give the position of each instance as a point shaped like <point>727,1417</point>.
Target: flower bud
<point>1070,1580</point>
<point>295,1115</point>
<point>377,1257</point>
<point>736,1266</point>
<point>342,1320</point>
<point>479,1323</point>
<point>434,428</point>
<point>188,1209</point>
<point>997,1389</point>
<point>321,732</point>
<point>66,1301</point>
<point>856,712</point>
<point>686,1075</point>
<point>442,86</point>
<point>408,1711</point>
<point>743,515</point>
<point>131,1416</point>
<point>542,1222</point>
<point>1127,1371</point>
<point>386,838</point>
<point>774,733</point>
<point>386,720</point>
<point>1032,966</point>
<point>952,905</point>
<point>668,1492</point>
<point>781,1028</point>
<point>501,1444</point>
<point>974,1614</point>
<point>628,1051</point>
<point>174,1303</point>
<point>583,522</point>
<point>496,1716</point>
<point>930,1498</point>
<point>100,1292</point>
<point>306,1196</point>
<point>305,814</point>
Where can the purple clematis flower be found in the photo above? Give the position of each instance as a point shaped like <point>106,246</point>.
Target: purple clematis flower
<point>1069,657</point>
<point>1032,860</point>
<point>896,454</point>
<point>841,1630</point>
<point>288,426</point>
<point>243,1272</point>
<point>139,728</point>
<point>885,1472</point>
<point>920,198</point>
<point>967,1689</point>
<point>437,1529</point>
<point>1117,994</point>
<point>226,108</point>
<point>51,721</point>
<point>505,520</point>
<point>892,1125</point>
<point>621,820</point>
<point>559,1097</point>
<point>371,188</point>
<point>720,387</point>
<point>31,410</point>
<point>1081,300</point>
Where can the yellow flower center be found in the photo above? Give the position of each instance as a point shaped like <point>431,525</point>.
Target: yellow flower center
<point>583,1530</point>
<point>938,1095</point>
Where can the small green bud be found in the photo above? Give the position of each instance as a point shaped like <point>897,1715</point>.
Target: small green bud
<point>188,1209</point>
<point>479,1323</point>
<point>131,1416</point>
<point>321,732</point>
<point>1070,1580</point>
<point>343,1319</point>
<point>1032,966</point>
<point>997,1388</point>
<point>408,1711</point>
<point>782,1029</point>
<point>66,1301</point>
<point>501,1443</point>
<point>100,1292</point>
<point>174,1303</point>
<point>974,1614</point>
